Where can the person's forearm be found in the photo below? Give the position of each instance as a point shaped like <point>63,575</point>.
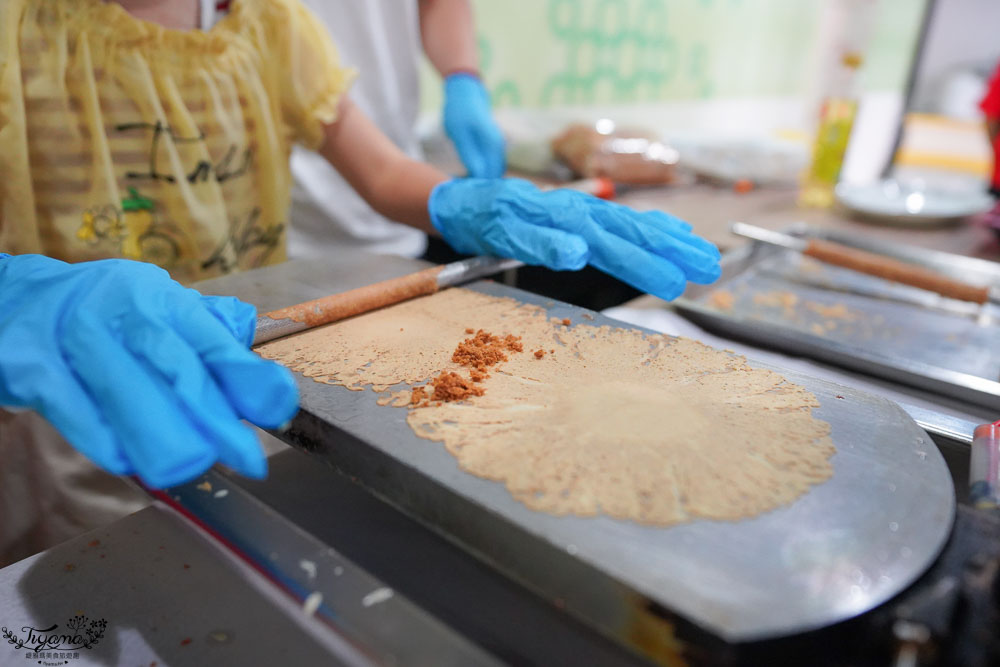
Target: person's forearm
<point>448,34</point>
<point>402,191</point>
<point>392,183</point>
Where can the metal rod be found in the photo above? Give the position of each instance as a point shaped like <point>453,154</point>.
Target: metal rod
<point>465,270</point>
<point>768,236</point>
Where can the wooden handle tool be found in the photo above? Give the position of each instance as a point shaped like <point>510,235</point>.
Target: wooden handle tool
<point>870,263</point>
<point>300,317</point>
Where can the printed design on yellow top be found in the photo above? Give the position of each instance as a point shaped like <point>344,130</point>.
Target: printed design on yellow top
<point>221,171</point>
<point>249,242</point>
<point>134,227</point>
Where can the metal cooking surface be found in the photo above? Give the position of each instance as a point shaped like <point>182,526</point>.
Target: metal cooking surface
<point>902,333</point>
<point>845,547</point>
<point>841,549</point>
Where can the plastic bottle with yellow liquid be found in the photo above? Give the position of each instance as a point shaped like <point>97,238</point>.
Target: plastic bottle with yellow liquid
<point>846,25</point>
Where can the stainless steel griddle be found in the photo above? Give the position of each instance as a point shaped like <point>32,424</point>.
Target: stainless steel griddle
<point>845,547</point>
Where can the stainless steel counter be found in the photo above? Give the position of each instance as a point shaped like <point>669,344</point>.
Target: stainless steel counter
<point>169,596</point>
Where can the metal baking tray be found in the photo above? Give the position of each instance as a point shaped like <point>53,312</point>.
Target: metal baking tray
<point>784,301</point>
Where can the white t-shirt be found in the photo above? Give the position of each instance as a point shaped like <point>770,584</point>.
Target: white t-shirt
<point>381,39</point>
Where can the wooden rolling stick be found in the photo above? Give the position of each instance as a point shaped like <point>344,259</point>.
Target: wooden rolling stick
<point>300,317</point>
<point>871,264</point>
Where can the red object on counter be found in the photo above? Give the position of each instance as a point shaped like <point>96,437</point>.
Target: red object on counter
<point>599,186</point>
<point>991,109</point>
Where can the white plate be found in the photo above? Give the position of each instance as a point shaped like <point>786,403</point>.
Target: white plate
<point>893,201</point>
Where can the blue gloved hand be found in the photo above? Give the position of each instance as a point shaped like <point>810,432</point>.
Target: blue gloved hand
<point>137,372</point>
<point>566,229</point>
<point>469,124</point>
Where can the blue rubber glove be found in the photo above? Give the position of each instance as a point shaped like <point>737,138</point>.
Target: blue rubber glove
<point>137,372</point>
<point>469,124</point>
<point>566,229</point>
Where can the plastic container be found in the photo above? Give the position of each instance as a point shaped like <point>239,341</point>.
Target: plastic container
<point>984,467</point>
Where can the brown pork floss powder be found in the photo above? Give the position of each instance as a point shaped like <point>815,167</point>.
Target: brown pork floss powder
<point>649,428</point>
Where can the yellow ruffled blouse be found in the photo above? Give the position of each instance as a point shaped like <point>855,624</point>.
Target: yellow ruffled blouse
<point>120,138</point>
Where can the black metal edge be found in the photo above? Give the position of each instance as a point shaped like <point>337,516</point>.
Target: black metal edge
<point>911,84</point>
